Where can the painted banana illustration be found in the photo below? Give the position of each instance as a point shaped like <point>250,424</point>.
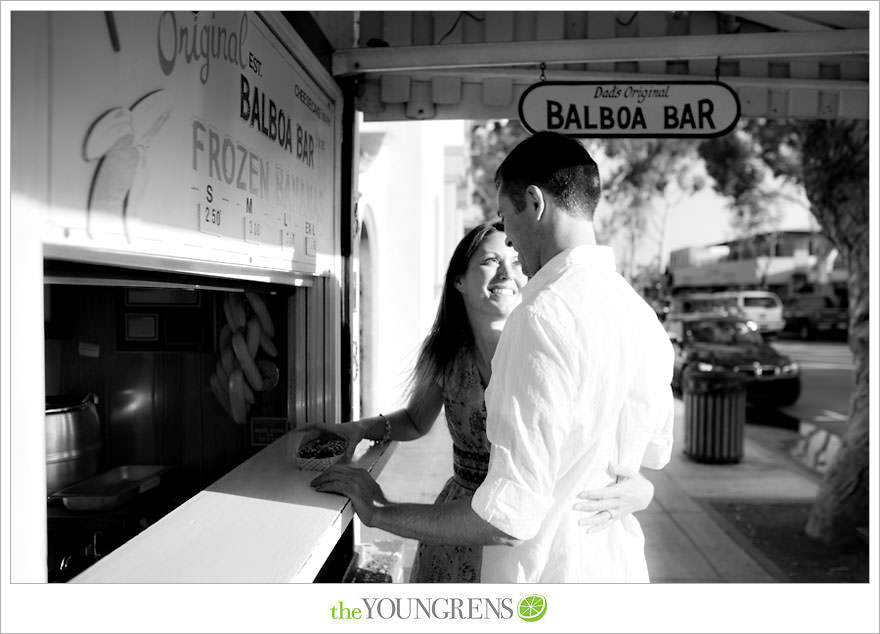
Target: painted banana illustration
<point>119,140</point>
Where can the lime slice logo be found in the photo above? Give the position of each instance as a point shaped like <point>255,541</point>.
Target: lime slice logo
<point>532,608</point>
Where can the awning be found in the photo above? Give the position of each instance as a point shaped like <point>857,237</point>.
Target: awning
<point>475,64</point>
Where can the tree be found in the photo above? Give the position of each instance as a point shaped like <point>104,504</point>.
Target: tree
<point>835,176</point>
<point>738,173</point>
<point>830,160</point>
<point>644,180</point>
<point>490,142</point>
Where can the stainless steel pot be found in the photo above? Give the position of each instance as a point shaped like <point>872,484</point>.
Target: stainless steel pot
<point>73,440</point>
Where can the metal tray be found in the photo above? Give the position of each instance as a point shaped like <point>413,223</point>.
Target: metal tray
<point>110,489</point>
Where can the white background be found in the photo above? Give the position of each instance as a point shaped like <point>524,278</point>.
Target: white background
<point>305,608</point>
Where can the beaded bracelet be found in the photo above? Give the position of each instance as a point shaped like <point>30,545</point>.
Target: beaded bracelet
<point>386,437</point>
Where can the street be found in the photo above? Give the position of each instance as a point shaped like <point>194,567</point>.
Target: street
<point>826,381</point>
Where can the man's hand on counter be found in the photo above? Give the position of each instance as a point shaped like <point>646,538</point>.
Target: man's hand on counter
<point>357,485</point>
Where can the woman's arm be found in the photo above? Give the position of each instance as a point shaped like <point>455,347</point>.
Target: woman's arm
<point>408,423</point>
<point>422,410</point>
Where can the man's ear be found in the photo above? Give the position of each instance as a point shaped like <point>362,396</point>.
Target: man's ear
<point>535,201</point>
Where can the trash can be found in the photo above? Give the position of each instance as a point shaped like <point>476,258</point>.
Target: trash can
<point>714,416</point>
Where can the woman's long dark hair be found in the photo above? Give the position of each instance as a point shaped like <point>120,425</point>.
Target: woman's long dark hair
<point>451,331</point>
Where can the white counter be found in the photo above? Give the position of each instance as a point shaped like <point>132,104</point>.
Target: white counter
<point>260,523</point>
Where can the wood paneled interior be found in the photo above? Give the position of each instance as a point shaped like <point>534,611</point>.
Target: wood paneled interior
<point>156,407</point>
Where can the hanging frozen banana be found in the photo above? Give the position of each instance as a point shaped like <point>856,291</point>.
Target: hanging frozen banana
<point>253,336</point>
<point>237,374</point>
<point>239,346</point>
<point>262,313</point>
<point>248,395</point>
<point>237,403</point>
<point>227,312</point>
<point>236,315</point>
<point>220,393</point>
<point>222,374</point>
<point>223,339</point>
<point>267,345</point>
<point>269,372</point>
<point>227,359</point>
<point>227,382</point>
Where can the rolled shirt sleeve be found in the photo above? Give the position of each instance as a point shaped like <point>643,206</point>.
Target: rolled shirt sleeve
<point>661,416</point>
<point>658,453</point>
<point>501,501</point>
<point>644,431</point>
<point>529,407</point>
<point>647,416</point>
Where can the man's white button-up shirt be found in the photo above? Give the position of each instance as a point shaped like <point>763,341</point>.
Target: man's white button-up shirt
<point>580,378</point>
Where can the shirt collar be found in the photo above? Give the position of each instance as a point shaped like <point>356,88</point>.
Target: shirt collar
<point>597,257</point>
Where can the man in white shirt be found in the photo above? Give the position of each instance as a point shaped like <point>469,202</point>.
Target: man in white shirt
<point>580,379</point>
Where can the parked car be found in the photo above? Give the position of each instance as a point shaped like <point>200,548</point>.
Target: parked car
<point>816,315</point>
<point>762,307</point>
<point>661,308</point>
<point>733,345</point>
<point>705,303</point>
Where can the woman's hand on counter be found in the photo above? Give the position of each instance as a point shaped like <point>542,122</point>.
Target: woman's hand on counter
<point>352,433</point>
<point>357,485</point>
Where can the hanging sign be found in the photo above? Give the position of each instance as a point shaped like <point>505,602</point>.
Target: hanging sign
<point>699,109</point>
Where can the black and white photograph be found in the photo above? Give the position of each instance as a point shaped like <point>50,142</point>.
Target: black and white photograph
<point>428,316</point>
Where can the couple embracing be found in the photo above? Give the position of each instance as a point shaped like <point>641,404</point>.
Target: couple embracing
<point>554,376</point>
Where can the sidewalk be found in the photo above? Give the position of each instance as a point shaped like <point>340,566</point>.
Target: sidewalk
<point>685,542</point>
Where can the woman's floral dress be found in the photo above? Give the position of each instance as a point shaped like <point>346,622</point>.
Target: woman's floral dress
<point>465,410</point>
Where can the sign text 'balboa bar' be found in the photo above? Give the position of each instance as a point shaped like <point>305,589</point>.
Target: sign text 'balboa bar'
<point>628,109</point>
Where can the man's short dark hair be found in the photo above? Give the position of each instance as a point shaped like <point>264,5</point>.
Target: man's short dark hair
<point>559,165</point>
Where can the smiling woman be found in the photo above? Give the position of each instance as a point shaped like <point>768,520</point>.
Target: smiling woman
<point>493,279</point>
<point>481,287</point>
